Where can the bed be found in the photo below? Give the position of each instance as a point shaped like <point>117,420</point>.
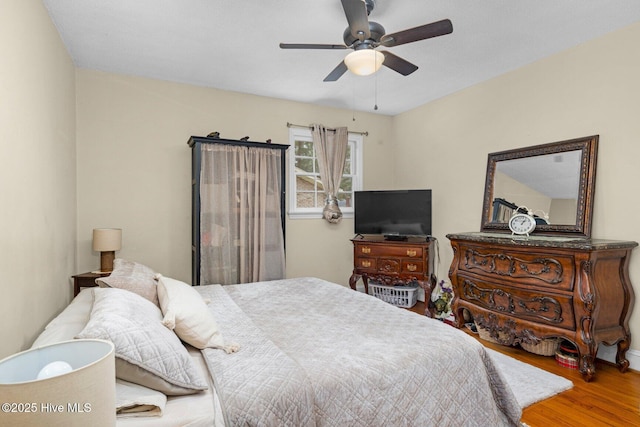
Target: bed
<point>296,352</point>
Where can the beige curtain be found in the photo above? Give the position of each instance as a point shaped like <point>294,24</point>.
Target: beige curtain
<point>241,231</point>
<point>331,151</point>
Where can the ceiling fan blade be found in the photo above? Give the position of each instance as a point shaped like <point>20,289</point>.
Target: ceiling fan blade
<point>356,12</point>
<point>311,46</point>
<point>435,29</point>
<point>398,64</point>
<point>336,73</point>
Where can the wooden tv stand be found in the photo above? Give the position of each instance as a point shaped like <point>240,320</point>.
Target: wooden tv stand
<point>523,290</point>
<point>395,262</point>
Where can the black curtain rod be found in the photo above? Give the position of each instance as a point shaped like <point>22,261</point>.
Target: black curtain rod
<point>289,125</point>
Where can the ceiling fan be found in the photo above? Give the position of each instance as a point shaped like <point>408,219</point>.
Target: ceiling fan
<point>364,36</point>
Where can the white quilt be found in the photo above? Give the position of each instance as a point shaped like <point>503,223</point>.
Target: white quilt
<point>314,353</point>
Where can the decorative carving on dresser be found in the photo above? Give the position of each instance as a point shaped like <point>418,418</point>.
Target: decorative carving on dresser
<point>389,265</point>
<point>503,301</point>
<point>503,334</point>
<point>545,269</point>
<point>527,290</point>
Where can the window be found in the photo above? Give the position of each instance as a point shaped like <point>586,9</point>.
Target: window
<point>306,194</point>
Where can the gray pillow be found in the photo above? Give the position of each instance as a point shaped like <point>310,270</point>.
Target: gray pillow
<point>132,276</point>
<point>147,353</point>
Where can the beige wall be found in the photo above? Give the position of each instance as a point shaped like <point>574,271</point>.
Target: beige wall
<point>37,173</point>
<point>563,211</point>
<point>134,167</point>
<point>520,194</point>
<point>591,89</point>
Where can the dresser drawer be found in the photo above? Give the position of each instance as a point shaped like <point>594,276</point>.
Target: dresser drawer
<point>538,306</point>
<point>365,263</point>
<point>390,265</point>
<point>410,266</point>
<point>524,268</point>
<point>389,250</point>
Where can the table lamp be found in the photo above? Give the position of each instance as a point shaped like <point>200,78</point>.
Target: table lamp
<point>70,383</point>
<point>107,241</point>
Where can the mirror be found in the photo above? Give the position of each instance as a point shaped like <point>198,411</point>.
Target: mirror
<point>555,182</point>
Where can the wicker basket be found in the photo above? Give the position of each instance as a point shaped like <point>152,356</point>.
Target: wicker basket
<point>546,347</point>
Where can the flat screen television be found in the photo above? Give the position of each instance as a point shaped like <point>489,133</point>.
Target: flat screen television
<point>396,214</point>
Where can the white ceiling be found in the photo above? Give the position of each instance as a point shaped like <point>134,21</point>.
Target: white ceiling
<point>557,176</point>
<point>233,45</point>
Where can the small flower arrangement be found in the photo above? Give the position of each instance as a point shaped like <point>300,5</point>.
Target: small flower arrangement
<point>442,300</point>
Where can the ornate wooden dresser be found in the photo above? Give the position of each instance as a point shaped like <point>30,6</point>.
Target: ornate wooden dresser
<point>395,263</point>
<point>523,290</point>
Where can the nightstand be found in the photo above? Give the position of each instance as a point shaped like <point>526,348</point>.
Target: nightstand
<point>86,280</point>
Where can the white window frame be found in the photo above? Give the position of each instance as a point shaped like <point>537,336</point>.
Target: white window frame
<point>305,134</point>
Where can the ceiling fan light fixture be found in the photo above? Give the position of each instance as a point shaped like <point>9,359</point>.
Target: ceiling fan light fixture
<point>364,62</point>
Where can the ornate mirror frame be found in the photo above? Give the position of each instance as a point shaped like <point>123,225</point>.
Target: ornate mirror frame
<point>588,146</point>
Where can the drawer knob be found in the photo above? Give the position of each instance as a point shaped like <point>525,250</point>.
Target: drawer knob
<point>366,264</point>
<point>411,252</point>
<point>412,267</point>
<point>365,250</point>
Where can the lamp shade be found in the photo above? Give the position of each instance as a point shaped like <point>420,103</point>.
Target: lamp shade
<point>107,239</point>
<point>364,61</point>
<point>82,395</point>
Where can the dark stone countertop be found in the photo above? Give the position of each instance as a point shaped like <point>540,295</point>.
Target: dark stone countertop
<point>535,240</point>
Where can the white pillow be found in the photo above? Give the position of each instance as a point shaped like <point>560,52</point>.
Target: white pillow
<point>132,276</point>
<point>147,353</point>
<point>70,322</point>
<point>188,315</point>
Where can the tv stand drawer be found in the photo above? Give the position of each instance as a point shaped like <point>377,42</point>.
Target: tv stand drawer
<point>391,249</point>
<point>367,263</point>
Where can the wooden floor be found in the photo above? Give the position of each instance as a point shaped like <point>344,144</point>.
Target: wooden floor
<point>610,399</point>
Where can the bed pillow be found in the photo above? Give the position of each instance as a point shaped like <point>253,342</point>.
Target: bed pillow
<point>187,314</point>
<point>70,322</point>
<point>134,277</point>
<point>147,353</point>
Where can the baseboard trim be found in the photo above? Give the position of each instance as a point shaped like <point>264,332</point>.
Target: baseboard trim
<point>608,353</point>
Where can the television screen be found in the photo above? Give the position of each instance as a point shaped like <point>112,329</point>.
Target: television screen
<point>393,213</point>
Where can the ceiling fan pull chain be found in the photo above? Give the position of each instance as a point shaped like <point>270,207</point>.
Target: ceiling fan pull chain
<point>353,101</point>
<point>375,107</point>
